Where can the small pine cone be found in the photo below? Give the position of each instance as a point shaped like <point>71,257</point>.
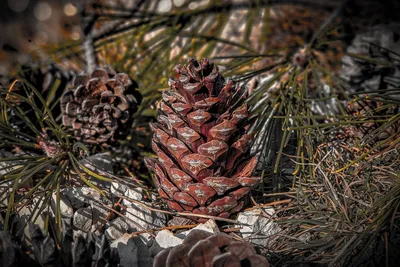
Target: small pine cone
<point>202,143</point>
<point>204,249</point>
<point>100,108</point>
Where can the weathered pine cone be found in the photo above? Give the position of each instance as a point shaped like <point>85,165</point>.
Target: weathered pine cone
<point>202,143</point>
<point>100,107</point>
<point>204,249</point>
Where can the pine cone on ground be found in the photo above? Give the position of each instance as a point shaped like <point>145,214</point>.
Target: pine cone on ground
<point>204,249</point>
<point>100,107</point>
<point>202,143</point>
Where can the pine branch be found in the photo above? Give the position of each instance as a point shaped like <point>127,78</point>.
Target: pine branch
<point>184,18</point>
<point>88,23</point>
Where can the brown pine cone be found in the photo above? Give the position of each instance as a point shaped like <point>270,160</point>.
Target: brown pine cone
<point>100,107</point>
<point>202,142</point>
<point>204,249</point>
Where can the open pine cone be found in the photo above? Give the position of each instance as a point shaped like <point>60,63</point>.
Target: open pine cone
<point>202,143</point>
<point>100,107</point>
<point>204,249</point>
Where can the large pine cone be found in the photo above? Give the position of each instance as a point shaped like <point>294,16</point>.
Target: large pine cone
<point>204,249</point>
<point>100,107</point>
<point>202,143</point>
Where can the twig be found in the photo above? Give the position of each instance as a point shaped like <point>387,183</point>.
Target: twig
<point>271,204</point>
<point>88,23</point>
<point>180,213</point>
<point>166,228</point>
<point>120,214</point>
<point>258,206</point>
<point>90,54</point>
<point>285,193</point>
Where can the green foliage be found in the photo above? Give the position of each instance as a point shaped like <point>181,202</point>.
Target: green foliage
<point>46,156</point>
